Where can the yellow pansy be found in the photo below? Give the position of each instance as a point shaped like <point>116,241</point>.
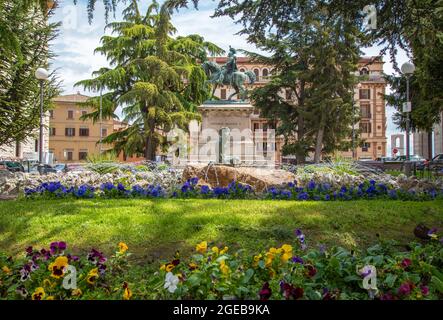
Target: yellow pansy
<point>38,294</point>
<point>256,260</point>
<point>286,248</point>
<point>163,267</point>
<point>6,270</point>
<point>58,267</point>
<point>202,247</point>
<point>123,247</point>
<point>48,283</point>
<point>215,250</point>
<point>76,293</point>
<point>223,267</point>
<point>225,249</point>
<point>127,294</point>
<point>193,266</point>
<point>92,276</point>
<point>169,267</point>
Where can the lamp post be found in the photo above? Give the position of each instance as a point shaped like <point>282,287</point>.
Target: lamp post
<point>41,75</point>
<point>353,122</point>
<point>407,69</point>
<point>101,119</point>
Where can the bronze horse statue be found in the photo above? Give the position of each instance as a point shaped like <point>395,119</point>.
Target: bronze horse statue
<point>218,75</point>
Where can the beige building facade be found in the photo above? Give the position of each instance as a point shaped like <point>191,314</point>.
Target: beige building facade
<point>72,139</point>
<point>368,99</point>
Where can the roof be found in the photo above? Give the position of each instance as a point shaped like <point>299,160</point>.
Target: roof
<point>71,98</point>
<point>243,60</point>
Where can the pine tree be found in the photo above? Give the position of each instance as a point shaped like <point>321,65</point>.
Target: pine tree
<point>19,89</point>
<point>315,54</point>
<point>154,77</point>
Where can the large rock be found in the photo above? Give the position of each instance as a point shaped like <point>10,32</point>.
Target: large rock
<point>220,175</point>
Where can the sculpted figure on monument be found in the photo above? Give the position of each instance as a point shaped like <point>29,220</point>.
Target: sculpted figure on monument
<point>228,74</point>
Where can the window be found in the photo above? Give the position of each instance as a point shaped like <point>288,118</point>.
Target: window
<point>84,112</point>
<point>364,71</point>
<point>265,73</point>
<point>365,110</point>
<point>83,154</point>
<point>84,132</point>
<point>68,154</point>
<point>365,127</point>
<point>265,149</point>
<point>52,131</point>
<point>70,132</point>
<point>288,94</point>
<point>51,114</point>
<point>365,94</point>
<point>223,94</point>
<point>256,126</point>
<point>265,127</point>
<point>70,114</point>
<point>257,73</point>
<point>242,70</point>
<point>365,147</point>
<point>104,132</point>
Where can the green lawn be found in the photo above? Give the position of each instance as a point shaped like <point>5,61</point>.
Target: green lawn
<point>157,228</point>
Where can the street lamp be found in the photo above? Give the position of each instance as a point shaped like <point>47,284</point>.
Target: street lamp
<point>407,69</point>
<point>41,75</point>
<point>353,122</point>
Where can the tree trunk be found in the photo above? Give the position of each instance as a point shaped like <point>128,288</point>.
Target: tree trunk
<point>429,156</point>
<point>300,154</point>
<point>150,142</point>
<point>319,142</point>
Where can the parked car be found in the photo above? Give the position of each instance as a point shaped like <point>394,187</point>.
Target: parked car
<point>438,159</point>
<point>421,162</point>
<point>13,166</point>
<point>61,167</point>
<point>384,159</point>
<point>45,169</point>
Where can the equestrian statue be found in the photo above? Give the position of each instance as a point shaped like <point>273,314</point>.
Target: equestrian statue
<point>228,74</point>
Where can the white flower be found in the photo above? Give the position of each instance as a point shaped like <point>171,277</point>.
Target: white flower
<point>171,282</point>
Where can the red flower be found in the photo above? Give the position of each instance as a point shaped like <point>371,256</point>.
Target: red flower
<point>291,292</point>
<point>406,263</point>
<point>405,288</point>
<point>424,290</point>
<point>311,271</point>
<point>265,292</point>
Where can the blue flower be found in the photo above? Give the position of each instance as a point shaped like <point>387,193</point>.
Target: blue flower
<point>343,189</point>
<point>327,197</point>
<point>193,181</point>
<point>297,260</point>
<point>311,185</point>
<point>204,190</point>
<point>303,196</point>
<point>121,187</point>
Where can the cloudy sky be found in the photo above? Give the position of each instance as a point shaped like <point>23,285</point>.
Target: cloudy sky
<point>77,40</point>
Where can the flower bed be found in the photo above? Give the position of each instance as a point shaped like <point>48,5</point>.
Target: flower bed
<point>288,272</point>
<point>235,190</point>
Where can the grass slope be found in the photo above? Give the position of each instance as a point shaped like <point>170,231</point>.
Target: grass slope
<point>157,228</point>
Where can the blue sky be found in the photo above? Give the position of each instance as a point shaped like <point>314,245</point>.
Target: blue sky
<point>77,40</point>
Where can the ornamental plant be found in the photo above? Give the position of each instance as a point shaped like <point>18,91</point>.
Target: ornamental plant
<point>56,274</point>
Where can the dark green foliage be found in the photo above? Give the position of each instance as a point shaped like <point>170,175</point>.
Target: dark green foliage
<point>29,34</point>
<point>146,78</point>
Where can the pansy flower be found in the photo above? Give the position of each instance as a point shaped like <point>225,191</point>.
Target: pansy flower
<point>202,247</point>
<point>38,294</point>
<point>171,282</point>
<point>58,267</point>
<point>127,293</point>
<point>122,247</point>
<point>92,276</point>
<point>265,292</point>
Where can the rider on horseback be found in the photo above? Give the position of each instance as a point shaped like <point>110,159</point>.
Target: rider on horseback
<point>230,67</point>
